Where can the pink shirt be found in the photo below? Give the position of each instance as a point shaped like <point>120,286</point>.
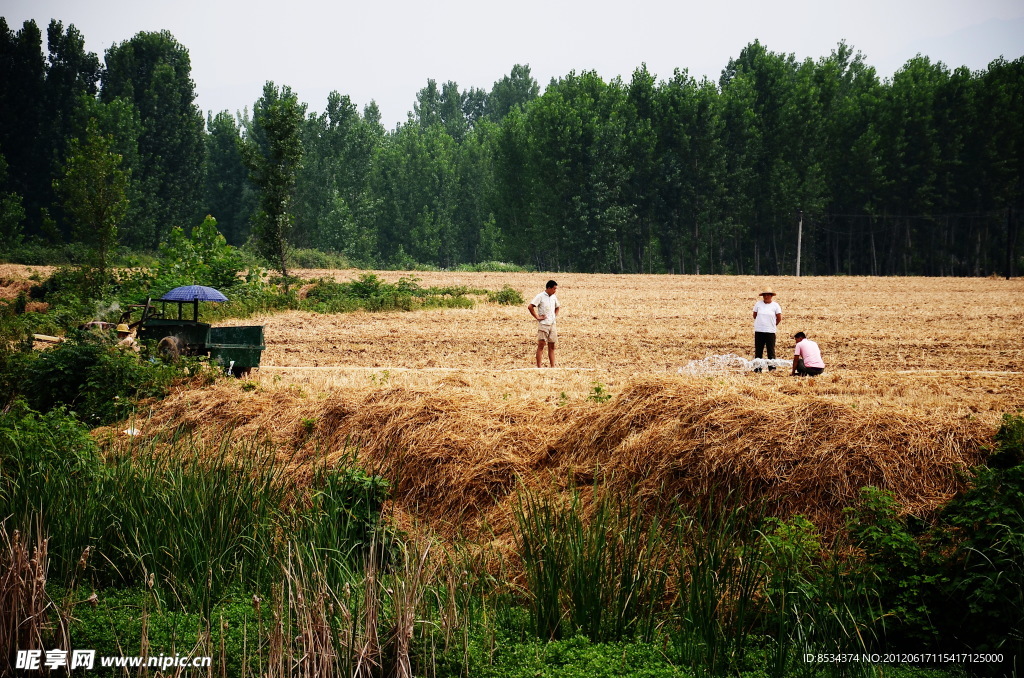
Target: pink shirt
<point>809,351</point>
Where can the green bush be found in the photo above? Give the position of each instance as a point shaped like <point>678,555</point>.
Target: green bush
<point>901,565</point>
<point>506,296</point>
<point>1009,440</point>
<point>115,623</point>
<point>37,253</point>
<point>576,657</point>
<point>957,584</point>
<point>372,293</point>
<point>249,298</point>
<point>982,540</point>
<point>492,267</point>
<point>69,283</point>
<point>76,295</point>
<point>311,258</point>
<point>88,374</point>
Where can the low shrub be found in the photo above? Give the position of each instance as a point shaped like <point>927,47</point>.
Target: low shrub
<point>311,258</point>
<point>981,538</point>
<point>120,622</point>
<point>958,584</point>
<point>492,267</point>
<point>576,657</point>
<point>91,376</point>
<point>37,253</point>
<point>506,296</point>
<point>372,293</point>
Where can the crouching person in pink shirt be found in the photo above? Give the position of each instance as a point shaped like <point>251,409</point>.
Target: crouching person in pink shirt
<point>806,357</point>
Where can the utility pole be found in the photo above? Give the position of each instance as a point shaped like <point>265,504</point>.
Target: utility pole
<point>799,240</point>
<point>1009,243</point>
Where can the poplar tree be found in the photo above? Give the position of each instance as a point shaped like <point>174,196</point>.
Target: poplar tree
<point>94,189</point>
<point>154,72</point>
<point>273,153</point>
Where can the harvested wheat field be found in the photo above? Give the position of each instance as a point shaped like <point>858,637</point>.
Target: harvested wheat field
<point>447,403</point>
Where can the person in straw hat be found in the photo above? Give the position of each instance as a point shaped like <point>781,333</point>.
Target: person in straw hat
<point>125,338</point>
<point>767,317</point>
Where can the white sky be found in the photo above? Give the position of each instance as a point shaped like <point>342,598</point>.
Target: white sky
<point>387,50</point>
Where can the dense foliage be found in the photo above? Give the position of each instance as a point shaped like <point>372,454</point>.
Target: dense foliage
<point>89,375</point>
<point>922,173</point>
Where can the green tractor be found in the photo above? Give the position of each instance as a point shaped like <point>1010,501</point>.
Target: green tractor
<point>237,349</point>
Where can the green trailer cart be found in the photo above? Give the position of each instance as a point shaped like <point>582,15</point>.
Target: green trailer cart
<point>238,349</point>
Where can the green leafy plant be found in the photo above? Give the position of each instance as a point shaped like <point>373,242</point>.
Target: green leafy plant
<point>506,296</point>
<point>901,565</point>
<point>598,393</point>
<point>311,258</point>
<point>491,267</point>
<point>982,576</point>
<point>1009,443</point>
<point>372,293</point>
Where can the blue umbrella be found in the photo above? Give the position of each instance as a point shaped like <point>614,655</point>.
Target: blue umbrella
<point>193,293</point>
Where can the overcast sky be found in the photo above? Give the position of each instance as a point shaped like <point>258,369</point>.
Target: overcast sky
<point>386,51</point>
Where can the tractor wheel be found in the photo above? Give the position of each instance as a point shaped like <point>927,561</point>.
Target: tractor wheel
<point>170,349</point>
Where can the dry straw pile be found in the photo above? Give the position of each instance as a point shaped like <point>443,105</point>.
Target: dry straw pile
<point>688,439</point>
<point>456,458</point>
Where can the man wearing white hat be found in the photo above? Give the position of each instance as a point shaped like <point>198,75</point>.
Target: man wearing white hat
<point>767,317</point>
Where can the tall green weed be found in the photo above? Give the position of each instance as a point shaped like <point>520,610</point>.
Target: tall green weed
<point>599,575</point>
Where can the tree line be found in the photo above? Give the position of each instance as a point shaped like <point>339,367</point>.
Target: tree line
<point>917,174</point>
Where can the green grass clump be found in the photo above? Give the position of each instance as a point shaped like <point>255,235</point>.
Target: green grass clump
<point>200,519</point>
<point>598,577</point>
<point>576,657</point>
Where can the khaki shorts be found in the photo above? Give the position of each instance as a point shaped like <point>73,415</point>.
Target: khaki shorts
<point>547,333</point>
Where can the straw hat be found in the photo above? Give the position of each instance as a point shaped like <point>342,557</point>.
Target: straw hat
<point>123,328</point>
<point>767,290</point>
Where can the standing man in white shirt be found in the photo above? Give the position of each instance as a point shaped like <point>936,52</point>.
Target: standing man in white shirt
<point>544,308</point>
<point>767,317</point>
<point>807,360</point>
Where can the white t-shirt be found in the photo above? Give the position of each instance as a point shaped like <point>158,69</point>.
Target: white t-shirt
<point>765,321</point>
<point>546,305</point>
<point>809,351</point>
